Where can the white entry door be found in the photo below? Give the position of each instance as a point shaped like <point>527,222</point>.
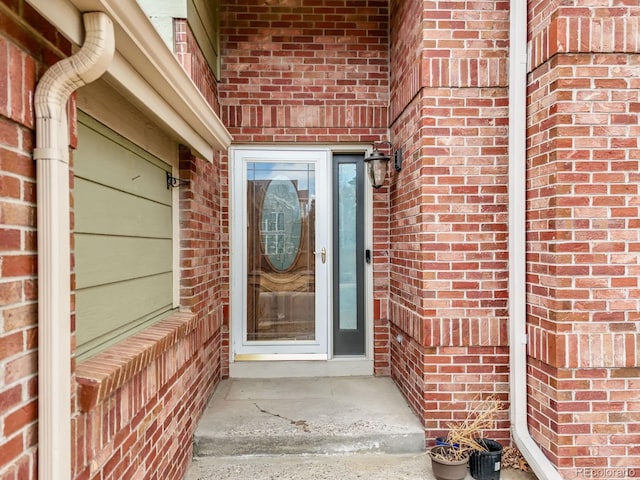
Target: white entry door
<point>280,243</point>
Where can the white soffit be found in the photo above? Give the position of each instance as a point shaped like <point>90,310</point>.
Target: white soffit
<point>145,71</point>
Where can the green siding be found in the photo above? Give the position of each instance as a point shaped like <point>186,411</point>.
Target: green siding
<point>113,212</point>
<point>123,241</point>
<point>115,305</point>
<point>204,20</point>
<point>112,161</point>
<point>102,260</point>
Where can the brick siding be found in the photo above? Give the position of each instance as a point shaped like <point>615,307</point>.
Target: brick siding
<point>448,232</point>
<point>294,72</point>
<point>583,236</point>
<point>142,427</point>
<point>194,62</point>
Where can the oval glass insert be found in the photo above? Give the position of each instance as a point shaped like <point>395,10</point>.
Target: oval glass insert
<point>281,221</point>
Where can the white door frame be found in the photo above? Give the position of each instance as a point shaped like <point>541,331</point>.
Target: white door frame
<point>254,365</point>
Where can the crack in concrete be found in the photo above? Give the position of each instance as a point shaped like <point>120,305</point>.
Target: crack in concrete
<point>302,425</point>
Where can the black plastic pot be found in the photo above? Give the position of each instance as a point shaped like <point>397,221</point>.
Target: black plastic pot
<point>486,465</point>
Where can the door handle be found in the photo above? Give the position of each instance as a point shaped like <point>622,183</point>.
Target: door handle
<point>323,254</point>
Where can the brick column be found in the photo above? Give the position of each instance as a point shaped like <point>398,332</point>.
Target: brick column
<point>449,208</point>
<point>584,237</point>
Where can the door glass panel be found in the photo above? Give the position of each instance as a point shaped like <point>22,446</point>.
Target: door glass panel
<point>281,281</point>
<point>347,275</point>
<point>348,261</point>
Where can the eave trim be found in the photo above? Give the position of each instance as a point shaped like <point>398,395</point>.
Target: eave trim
<point>146,72</point>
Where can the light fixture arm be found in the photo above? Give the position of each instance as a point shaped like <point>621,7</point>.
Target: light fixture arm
<point>383,142</point>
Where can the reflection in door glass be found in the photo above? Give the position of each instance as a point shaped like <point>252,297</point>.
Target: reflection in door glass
<point>281,223</point>
<point>347,225</point>
<point>280,246</point>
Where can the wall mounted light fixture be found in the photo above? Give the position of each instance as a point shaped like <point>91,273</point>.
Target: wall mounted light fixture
<point>378,160</point>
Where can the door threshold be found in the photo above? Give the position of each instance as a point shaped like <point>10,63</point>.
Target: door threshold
<point>337,367</point>
<point>261,357</point>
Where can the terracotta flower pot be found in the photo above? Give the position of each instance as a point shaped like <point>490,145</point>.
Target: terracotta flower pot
<point>444,469</point>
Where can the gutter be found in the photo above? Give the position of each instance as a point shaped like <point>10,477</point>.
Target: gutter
<point>541,465</point>
<point>54,290</point>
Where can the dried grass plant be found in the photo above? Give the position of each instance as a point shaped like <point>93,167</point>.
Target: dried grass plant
<point>462,436</point>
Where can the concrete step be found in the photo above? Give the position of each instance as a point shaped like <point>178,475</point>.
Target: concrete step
<point>328,415</point>
<point>322,467</point>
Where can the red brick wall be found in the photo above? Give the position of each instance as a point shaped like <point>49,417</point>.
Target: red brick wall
<point>216,213</point>
<point>143,428</point>
<point>21,62</point>
<point>294,72</point>
<point>381,338</point>
<point>194,62</point>
<point>584,240</point>
<point>448,227</point>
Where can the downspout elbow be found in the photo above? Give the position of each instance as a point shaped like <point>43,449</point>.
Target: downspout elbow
<point>65,77</point>
<point>54,271</point>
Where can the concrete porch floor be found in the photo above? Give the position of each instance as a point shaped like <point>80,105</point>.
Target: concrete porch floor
<point>311,428</point>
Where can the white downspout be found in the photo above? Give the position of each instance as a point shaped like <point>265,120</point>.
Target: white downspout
<point>540,464</point>
<point>54,291</point>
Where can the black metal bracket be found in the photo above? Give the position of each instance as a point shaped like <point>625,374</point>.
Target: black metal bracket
<point>397,159</point>
<point>175,182</point>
